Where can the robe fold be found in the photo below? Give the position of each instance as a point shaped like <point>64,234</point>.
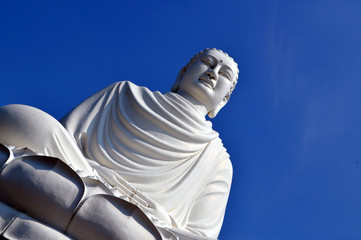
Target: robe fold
<point>159,151</point>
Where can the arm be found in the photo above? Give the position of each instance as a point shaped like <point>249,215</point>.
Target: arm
<point>206,216</point>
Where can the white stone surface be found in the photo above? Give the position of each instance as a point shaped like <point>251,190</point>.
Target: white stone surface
<point>155,150</point>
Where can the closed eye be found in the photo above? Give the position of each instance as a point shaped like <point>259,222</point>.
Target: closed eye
<point>226,74</point>
<point>207,62</point>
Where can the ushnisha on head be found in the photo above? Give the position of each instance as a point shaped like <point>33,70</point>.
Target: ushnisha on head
<point>208,80</point>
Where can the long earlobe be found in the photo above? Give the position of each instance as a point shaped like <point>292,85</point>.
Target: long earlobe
<point>179,78</point>
<point>215,111</point>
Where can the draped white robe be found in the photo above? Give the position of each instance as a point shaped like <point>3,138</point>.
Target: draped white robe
<point>159,150</point>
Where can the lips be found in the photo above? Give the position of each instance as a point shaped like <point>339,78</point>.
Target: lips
<point>207,82</point>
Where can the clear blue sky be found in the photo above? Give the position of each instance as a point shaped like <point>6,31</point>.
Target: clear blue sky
<point>292,126</point>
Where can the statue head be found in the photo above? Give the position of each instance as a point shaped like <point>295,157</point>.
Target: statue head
<point>209,78</point>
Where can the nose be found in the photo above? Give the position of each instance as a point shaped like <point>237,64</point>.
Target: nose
<point>212,74</point>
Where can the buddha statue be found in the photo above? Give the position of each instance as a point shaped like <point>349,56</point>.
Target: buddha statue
<point>156,151</point>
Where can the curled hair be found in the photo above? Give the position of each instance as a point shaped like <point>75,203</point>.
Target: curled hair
<point>196,56</point>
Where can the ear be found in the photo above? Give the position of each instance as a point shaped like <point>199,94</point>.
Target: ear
<point>179,78</point>
<point>215,111</point>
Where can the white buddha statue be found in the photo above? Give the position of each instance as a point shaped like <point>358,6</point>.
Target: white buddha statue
<point>155,150</point>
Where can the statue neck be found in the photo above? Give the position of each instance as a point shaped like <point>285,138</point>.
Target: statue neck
<point>196,103</point>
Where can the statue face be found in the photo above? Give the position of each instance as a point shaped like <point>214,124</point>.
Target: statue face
<point>209,78</point>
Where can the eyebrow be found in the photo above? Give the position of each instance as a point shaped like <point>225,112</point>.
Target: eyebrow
<point>211,57</point>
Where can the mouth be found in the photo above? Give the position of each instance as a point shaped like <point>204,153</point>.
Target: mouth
<point>207,82</point>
